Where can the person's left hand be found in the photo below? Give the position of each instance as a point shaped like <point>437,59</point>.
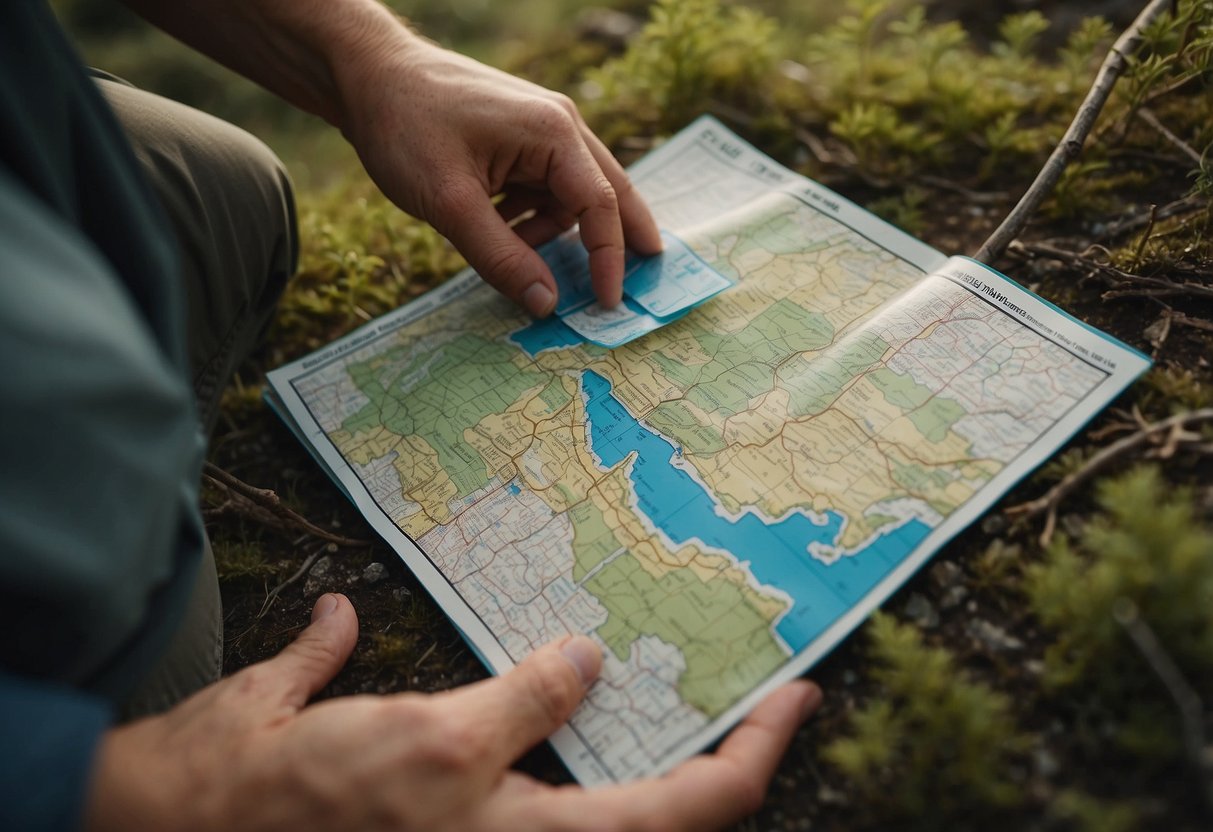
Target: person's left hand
<point>443,135</point>
<point>247,754</point>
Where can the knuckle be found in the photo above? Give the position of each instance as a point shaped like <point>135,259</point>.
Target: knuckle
<point>253,681</point>
<point>504,266</point>
<point>566,103</point>
<point>453,197</point>
<point>604,194</point>
<point>451,743</point>
<point>550,117</point>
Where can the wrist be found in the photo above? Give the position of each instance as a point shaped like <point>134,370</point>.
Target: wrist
<point>130,790</point>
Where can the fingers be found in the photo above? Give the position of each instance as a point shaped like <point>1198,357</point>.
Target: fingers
<point>309,662</point>
<point>469,219</point>
<point>706,792</point>
<point>525,706</point>
<point>639,228</point>
<point>581,186</point>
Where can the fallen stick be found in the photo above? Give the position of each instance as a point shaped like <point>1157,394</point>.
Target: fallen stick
<point>266,499</point>
<point>1076,135</point>
<point>1050,501</point>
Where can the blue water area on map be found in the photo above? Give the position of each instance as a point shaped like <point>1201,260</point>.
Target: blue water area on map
<point>546,334</point>
<point>777,552</point>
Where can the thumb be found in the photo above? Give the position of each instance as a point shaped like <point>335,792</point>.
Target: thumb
<point>526,705</point>
<point>309,662</point>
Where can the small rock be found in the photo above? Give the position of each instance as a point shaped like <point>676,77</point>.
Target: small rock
<point>400,593</point>
<point>849,677</point>
<point>374,573</point>
<point>831,797</point>
<point>919,610</point>
<point>953,597</point>
<point>318,577</point>
<point>994,524</point>
<point>992,636</point>
<point>944,575</point>
<point>1156,332</point>
<point>1045,763</point>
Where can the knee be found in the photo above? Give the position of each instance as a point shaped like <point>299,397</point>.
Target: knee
<point>227,195</point>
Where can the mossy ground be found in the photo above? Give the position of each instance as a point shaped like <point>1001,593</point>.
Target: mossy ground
<point>938,125</point>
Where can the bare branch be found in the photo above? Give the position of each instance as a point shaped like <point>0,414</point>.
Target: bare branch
<point>269,502</point>
<point>1152,120</point>
<point>1175,428</point>
<point>1071,143</point>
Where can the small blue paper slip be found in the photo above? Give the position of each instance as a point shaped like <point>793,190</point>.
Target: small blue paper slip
<point>615,327</point>
<point>657,290</point>
<point>672,281</point>
<point>570,265</point>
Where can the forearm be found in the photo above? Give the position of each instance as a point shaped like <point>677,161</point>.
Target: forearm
<point>306,51</point>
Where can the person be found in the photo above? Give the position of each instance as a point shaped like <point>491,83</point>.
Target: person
<point>142,245</point>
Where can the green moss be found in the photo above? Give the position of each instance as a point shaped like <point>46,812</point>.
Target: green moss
<point>237,559</point>
<point>932,746</point>
<point>691,54</point>
<point>1146,550</point>
<point>1084,813</point>
<point>360,257</point>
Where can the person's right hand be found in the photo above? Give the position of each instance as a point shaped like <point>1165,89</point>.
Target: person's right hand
<point>245,754</point>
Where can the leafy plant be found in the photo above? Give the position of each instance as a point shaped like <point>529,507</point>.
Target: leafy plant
<point>691,55</point>
<point>361,257</point>
<point>1146,550</point>
<point>931,743</point>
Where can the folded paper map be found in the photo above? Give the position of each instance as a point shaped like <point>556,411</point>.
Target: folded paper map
<point>806,404</point>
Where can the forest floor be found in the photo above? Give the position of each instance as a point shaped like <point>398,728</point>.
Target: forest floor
<point>969,600</point>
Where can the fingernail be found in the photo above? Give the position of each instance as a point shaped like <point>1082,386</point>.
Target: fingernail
<point>325,605</point>
<point>538,300</point>
<point>583,654</point>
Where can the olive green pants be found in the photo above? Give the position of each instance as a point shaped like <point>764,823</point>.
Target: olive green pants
<point>232,209</point>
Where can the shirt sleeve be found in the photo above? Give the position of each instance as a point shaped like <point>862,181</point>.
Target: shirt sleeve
<point>49,735</point>
<point>99,533</point>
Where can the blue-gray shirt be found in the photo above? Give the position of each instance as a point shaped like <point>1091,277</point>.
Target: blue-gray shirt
<point>99,443</point>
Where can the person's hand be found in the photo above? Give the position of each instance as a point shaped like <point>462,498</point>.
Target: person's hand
<point>245,754</point>
<point>442,135</point>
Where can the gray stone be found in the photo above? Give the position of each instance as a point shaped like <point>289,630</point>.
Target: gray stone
<point>319,578</point>
<point>953,597</point>
<point>944,575</point>
<point>374,573</point>
<point>919,610</point>
<point>1045,763</point>
<point>993,637</point>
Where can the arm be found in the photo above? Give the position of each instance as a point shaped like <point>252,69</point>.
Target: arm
<point>440,134</point>
<point>49,734</point>
<point>245,754</point>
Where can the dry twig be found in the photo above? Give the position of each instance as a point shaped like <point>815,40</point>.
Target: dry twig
<point>1118,279</point>
<point>1071,143</point>
<point>1149,118</point>
<point>1184,205</point>
<point>1175,432</point>
<point>265,502</point>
